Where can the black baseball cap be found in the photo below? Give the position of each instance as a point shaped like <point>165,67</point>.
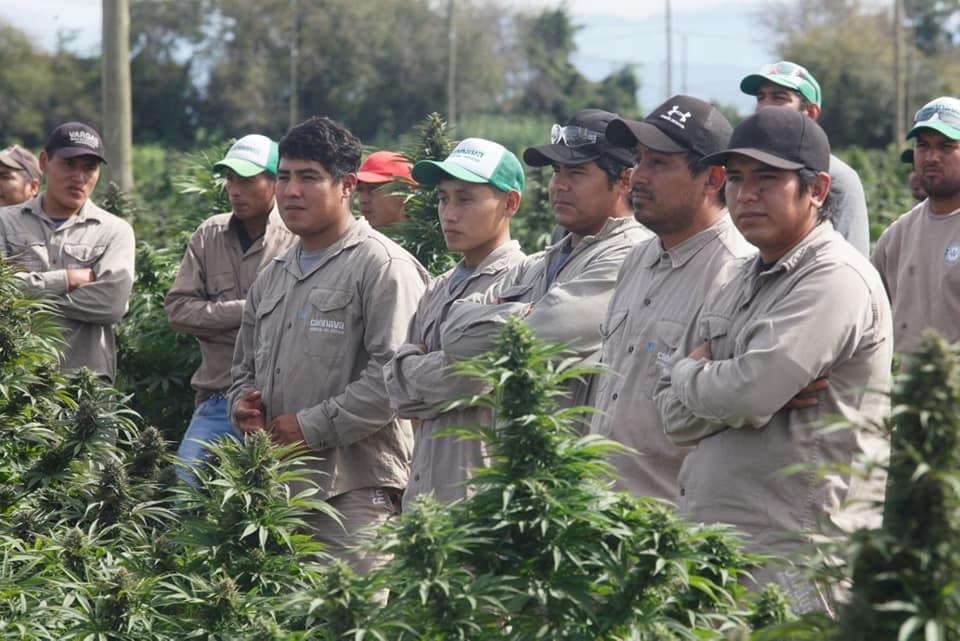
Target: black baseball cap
<point>72,139</point>
<point>681,124</point>
<point>781,138</point>
<point>580,140</point>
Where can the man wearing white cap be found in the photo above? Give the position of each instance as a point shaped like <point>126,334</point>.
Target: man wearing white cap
<point>224,256</point>
<point>918,256</point>
<point>72,252</point>
<point>479,186</point>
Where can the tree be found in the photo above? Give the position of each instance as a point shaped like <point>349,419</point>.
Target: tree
<point>117,114</point>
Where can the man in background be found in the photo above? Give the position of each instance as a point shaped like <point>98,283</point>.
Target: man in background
<point>19,176</point>
<point>383,183</point>
<point>222,260</point>
<point>72,252</point>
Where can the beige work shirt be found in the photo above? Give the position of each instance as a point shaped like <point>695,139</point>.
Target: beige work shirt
<point>819,310</point>
<point>420,386</point>
<point>315,344</point>
<point>657,293</point>
<point>567,311</point>
<point>94,239</point>
<point>918,257</point>
<point>207,296</point>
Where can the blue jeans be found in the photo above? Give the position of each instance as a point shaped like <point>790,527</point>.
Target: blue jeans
<point>209,423</point>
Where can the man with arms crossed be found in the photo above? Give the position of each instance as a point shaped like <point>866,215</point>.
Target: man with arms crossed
<point>72,252</point>
<point>663,280</point>
<point>787,84</point>
<point>223,258</point>
<point>319,324</point>
<point>918,256</point>
<point>479,185</point>
<point>809,303</point>
<point>562,292</point>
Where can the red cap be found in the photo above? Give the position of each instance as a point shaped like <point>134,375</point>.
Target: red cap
<point>384,167</point>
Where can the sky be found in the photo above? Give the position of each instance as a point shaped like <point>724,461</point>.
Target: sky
<point>715,42</point>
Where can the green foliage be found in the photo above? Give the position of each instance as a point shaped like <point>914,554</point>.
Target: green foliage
<point>884,179</point>
<point>907,574</point>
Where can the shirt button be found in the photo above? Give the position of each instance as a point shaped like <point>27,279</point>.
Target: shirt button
<point>630,350</point>
<point>683,491</point>
<point>903,326</point>
<point>416,477</point>
<point>615,396</point>
<point>276,371</point>
<point>646,301</point>
<point>289,325</point>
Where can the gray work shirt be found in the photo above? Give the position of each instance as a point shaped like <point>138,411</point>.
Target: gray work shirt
<point>657,293</point>
<point>94,239</point>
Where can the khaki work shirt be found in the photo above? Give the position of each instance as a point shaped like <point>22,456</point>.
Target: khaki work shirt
<point>819,310</point>
<point>94,239</point>
<point>420,386</point>
<point>918,257</point>
<point>207,297</point>
<point>567,311</point>
<point>315,344</point>
<point>657,293</point>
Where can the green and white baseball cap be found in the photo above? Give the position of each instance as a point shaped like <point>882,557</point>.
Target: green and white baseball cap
<point>786,74</point>
<point>942,114</point>
<point>475,160</point>
<point>251,155</point>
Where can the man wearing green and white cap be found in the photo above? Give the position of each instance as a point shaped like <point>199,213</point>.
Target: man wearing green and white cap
<point>223,258</point>
<point>562,292</point>
<point>479,185</point>
<point>787,84</point>
<point>918,256</point>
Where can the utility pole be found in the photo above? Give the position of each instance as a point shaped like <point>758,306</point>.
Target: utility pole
<point>295,63</point>
<point>116,95</point>
<point>451,64</point>
<point>669,54</point>
<point>898,75</point>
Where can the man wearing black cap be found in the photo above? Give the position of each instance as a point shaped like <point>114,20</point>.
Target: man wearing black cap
<point>562,292</point>
<point>789,85</point>
<point>808,304</point>
<point>72,251</point>
<point>663,280</point>
<point>19,176</point>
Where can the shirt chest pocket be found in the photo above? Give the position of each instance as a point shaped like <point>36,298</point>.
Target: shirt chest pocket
<point>516,294</point>
<point>661,345</point>
<point>268,329</point>
<point>79,255</point>
<point>330,322</point>
<point>718,329</point>
<point>30,253</point>
<point>221,287</point>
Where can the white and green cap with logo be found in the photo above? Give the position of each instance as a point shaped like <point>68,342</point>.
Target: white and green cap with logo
<point>475,160</point>
<point>251,155</point>
<point>942,115</point>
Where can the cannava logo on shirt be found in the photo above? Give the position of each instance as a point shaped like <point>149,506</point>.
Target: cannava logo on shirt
<point>84,138</point>
<point>327,326</point>
<point>952,255</point>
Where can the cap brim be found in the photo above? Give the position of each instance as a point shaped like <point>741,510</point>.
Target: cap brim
<point>645,134</point>
<point>76,152</point>
<point>431,172</point>
<point>721,157</point>
<point>241,167</point>
<point>544,155</point>
<point>950,132</point>
<point>750,85</point>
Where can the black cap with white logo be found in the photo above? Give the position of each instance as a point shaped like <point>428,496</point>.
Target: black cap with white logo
<point>681,124</point>
<point>72,139</point>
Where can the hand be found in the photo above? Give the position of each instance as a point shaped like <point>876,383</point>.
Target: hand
<point>807,396</point>
<point>702,352</point>
<point>248,414</point>
<point>285,429</point>
<point>80,277</point>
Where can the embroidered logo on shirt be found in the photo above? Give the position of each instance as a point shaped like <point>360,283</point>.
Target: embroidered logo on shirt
<point>326,326</point>
<point>952,255</point>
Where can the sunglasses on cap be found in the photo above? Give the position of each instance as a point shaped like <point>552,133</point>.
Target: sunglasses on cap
<point>574,136</point>
<point>947,114</point>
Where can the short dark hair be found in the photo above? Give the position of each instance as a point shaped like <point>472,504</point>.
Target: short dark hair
<point>807,178</point>
<point>612,167</point>
<point>325,141</point>
<point>696,166</point>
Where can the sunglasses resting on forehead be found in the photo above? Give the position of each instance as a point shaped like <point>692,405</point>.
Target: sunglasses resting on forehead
<point>947,114</point>
<point>574,136</point>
